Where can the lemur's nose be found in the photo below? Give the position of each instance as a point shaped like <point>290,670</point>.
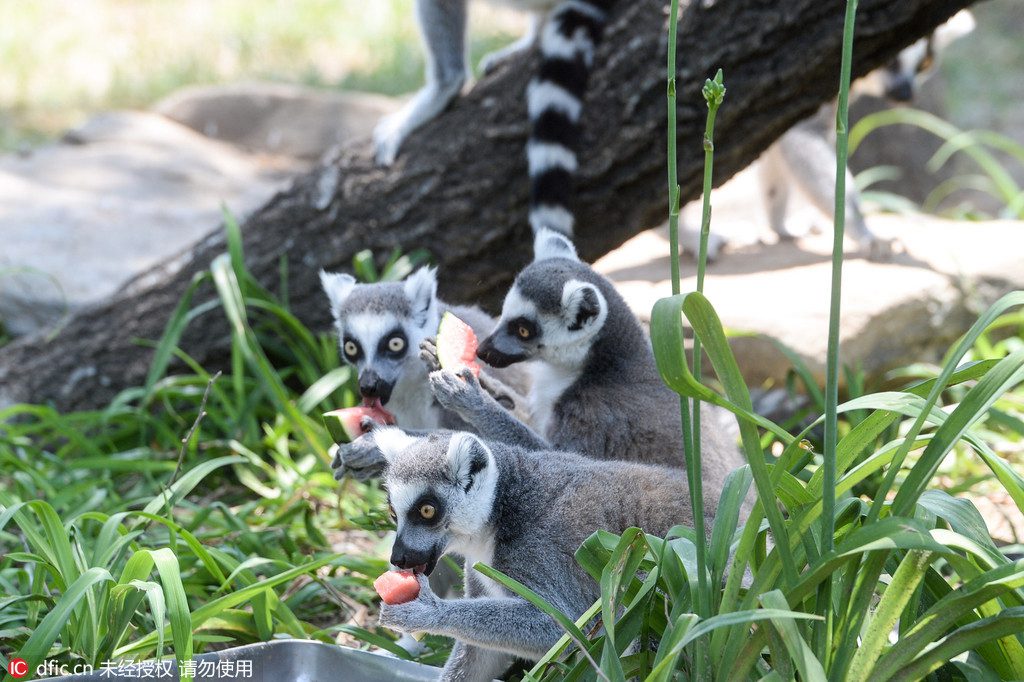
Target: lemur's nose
<point>372,386</point>
<point>490,352</point>
<point>902,90</point>
<point>406,557</point>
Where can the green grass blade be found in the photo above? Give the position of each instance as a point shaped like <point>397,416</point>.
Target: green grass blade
<point>38,645</point>
<point>878,626</point>
<point>800,652</point>
<point>667,338</point>
<point>543,605</point>
<point>1009,622</point>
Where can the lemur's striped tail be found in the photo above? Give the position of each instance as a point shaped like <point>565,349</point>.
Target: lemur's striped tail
<point>555,102</point>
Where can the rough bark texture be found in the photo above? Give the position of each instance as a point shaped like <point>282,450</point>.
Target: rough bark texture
<point>459,188</point>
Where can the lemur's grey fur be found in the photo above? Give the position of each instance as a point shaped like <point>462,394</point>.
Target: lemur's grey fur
<point>804,157</point>
<point>370,316</point>
<point>596,389</point>
<point>568,36</point>
<point>521,512</point>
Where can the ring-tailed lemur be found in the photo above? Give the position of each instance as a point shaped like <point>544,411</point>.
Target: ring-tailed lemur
<point>380,327</point>
<point>805,157</point>
<point>568,38</point>
<point>596,389</point>
<point>524,513</point>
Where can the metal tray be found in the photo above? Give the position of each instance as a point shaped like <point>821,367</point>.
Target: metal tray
<point>293,660</point>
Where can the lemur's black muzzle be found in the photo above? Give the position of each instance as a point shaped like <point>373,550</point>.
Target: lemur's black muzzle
<point>371,385</point>
<point>498,352</point>
<point>901,90</point>
<point>405,557</point>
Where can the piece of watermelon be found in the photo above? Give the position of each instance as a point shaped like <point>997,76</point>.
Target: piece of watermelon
<point>346,425</point>
<point>397,587</point>
<point>456,345</point>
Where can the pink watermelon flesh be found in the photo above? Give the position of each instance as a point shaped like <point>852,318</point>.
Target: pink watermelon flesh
<point>456,345</point>
<point>347,424</point>
<point>397,587</point>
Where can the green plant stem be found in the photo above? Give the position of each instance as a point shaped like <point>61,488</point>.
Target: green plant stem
<point>713,94</point>
<point>690,432</point>
<point>832,363</point>
<point>673,171</point>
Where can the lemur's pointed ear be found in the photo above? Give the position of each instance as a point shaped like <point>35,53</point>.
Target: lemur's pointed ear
<point>392,441</point>
<point>337,286</point>
<point>468,457</point>
<point>550,244</point>
<point>583,305</point>
<point>421,289</point>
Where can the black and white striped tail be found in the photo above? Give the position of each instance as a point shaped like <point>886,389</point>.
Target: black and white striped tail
<point>555,102</point>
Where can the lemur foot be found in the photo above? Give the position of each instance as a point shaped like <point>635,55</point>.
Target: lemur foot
<point>458,392</point>
<point>882,250</point>
<point>422,613</point>
<point>428,354</point>
<point>361,458</point>
<point>388,137</point>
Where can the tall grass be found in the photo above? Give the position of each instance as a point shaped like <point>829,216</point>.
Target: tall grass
<point>120,539</point>
<point>896,581</point>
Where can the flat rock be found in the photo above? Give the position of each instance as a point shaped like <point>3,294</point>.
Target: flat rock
<point>124,192</point>
<point>911,309</point>
<point>276,118</point>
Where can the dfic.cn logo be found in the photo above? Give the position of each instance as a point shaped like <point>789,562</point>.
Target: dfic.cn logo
<point>18,668</point>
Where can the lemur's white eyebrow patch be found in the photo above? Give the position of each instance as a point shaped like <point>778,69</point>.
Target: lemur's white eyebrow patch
<point>369,328</point>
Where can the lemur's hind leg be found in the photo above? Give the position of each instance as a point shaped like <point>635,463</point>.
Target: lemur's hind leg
<point>443,28</point>
<point>811,161</point>
<point>775,189</point>
<point>492,60</point>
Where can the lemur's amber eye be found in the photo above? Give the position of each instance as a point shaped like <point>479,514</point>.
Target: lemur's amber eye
<point>524,332</point>
<point>428,511</point>
<point>351,349</point>
<point>396,344</point>
<point>391,513</point>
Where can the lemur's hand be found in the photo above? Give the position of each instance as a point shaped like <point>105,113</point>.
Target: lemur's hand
<point>428,354</point>
<point>459,392</point>
<point>421,614</point>
<point>361,458</point>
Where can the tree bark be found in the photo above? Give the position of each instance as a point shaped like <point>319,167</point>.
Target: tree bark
<point>459,188</point>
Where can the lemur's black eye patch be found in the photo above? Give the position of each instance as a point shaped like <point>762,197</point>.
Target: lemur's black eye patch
<point>393,343</point>
<point>426,511</point>
<point>351,348</point>
<point>523,328</point>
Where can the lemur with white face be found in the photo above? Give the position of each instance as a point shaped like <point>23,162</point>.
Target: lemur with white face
<point>380,327</point>
<point>596,389</point>
<point>805,158</point>
<point>569,31</point>
<point>522,512</point>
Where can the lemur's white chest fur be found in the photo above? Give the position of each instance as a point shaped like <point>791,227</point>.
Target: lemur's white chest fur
<point>480,549</point>
<point>411,402</point>
<point>548,384</point>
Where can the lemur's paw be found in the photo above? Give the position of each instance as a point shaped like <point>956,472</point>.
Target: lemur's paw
<point>422,613</point>
<point>388,137</point>
<point>428,354</point>
<point>361,459</point>
<point>459,391</point>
